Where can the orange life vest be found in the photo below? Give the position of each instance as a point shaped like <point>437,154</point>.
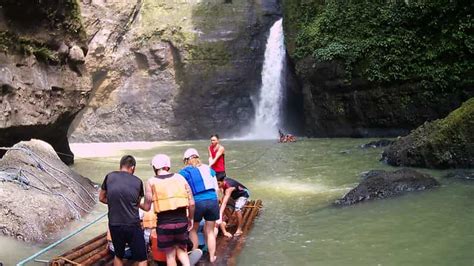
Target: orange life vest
<point>170,194</point>
<point>149,219</point>
<point>156,253</point>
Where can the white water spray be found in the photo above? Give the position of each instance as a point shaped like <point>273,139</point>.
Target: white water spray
<point>267,116</point>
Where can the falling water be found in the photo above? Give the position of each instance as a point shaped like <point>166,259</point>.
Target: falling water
<point>267,116</point>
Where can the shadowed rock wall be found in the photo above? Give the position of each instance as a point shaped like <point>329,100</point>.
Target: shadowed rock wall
<point>368,69</point>
<point>42,79</point>
<point>172,69</point>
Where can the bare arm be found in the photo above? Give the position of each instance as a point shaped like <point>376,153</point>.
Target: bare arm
<point>103,196</point>
<point>146,205</point>
<point>191,206</point>
<point>220,151</point>
<point>225,200</point>
<point>210,156</point>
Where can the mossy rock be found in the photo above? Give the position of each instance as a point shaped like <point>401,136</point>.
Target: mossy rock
<point>444,143</point>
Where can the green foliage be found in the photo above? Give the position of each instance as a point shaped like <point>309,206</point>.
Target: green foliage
<point>60,16</point>
<point>11,42</point>
<point>430,42</point>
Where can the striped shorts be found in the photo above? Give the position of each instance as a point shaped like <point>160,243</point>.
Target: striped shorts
<point>171,235</point>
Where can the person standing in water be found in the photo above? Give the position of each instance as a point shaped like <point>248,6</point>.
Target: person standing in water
<point>217,157</point>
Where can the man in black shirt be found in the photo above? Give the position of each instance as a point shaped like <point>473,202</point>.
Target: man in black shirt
<point>122,192</point>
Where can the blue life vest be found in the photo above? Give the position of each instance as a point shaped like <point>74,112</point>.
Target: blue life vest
<point>200,179</point>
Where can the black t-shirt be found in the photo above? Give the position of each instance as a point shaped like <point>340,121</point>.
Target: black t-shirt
<point>240,190</point>
<point>123,193</point>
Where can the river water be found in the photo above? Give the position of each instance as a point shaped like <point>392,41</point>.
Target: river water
<point>298,182</point>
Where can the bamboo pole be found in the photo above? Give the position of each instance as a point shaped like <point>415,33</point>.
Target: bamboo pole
<point>246,213</point>
<point>93,252</point>
<point>84,244</point>
<point>86,249</point>
<point>252,216</point>
<point>99,256</point>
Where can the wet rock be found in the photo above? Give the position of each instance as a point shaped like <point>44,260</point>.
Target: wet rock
<point>372,173</point>
<point>443,143</point>
<point>381,184</point>
<point>377,144</point>
<point>461,174</point>
<point>40,195</point>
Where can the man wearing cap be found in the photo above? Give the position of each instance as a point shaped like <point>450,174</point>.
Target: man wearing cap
<point>202,180</point>
<point>174,204</point>
<point>122,192</point>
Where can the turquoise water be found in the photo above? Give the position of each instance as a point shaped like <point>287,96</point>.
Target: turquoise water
<point>298,182</point>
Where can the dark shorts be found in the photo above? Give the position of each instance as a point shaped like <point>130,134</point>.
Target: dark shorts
<point>131,235</point>
<point>207,209</point>
<point>171,235</point>
<point>220,175</point>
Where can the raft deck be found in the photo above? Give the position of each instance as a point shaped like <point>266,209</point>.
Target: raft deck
<point>95,251</point>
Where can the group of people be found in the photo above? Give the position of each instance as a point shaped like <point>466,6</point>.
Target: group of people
<point>173,206</point>
<point>285,137</point>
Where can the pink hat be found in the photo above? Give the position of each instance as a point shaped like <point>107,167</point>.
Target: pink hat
<point>161,161</point>
<point>190,152</point>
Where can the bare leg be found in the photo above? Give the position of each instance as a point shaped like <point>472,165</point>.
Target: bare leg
<point>211,239</point>
<point>171,257</point>
<point>239,223</point>
<point>193,235</point>
<point>182,257</point>
<point>142,263</point>
<point>224,230</point>
<point>118,261</point>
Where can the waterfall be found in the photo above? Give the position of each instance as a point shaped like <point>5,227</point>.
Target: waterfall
<point>267,115</point>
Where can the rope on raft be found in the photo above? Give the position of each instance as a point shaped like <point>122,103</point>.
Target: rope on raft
<point>19,178</point>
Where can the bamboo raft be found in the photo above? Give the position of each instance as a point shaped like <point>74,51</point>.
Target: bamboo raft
<point>95,251</point>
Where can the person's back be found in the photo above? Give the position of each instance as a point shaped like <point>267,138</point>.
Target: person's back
<point>122,192</point>
<point>239,193</point>
<point>174,204</point>
<point>202,180</point>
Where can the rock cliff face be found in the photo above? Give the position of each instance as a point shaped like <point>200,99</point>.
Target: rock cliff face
<point>42,79</point>
<point>172,69</point>
<point>365,72</point>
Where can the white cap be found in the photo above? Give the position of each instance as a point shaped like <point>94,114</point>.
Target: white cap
<point>161,161</point>
<point>190,152</point>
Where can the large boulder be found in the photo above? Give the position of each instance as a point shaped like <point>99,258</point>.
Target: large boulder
<point>40,195</point>
<point>41,90</point>
<point>382,184</point>
<point>444,143</point>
